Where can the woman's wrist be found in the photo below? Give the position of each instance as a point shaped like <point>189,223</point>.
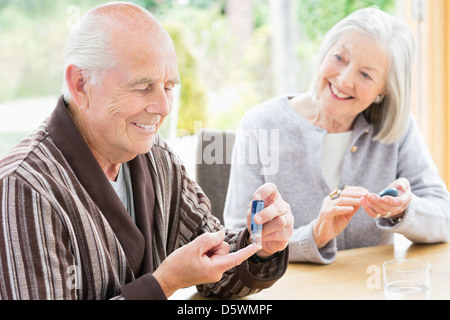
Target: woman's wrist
<point>319,240</point>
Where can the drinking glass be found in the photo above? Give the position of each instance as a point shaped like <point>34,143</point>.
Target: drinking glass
<point>407,279</point>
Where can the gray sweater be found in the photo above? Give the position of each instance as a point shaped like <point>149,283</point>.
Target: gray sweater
<point>275,144</point>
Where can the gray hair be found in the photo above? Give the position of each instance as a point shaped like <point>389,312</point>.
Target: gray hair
<point>390,117</point>
<point>89,47</point>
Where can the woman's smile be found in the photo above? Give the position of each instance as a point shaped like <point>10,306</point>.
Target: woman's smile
<point>339,94</point>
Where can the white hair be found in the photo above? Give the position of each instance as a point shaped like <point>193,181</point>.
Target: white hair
<point>89,47</point>
<point>390,117</point>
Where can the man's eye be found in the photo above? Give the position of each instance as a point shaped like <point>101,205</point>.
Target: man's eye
<point>169,86</point>
<point>140,90</point>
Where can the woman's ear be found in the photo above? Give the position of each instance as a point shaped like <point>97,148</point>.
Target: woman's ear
<point>76,82</point>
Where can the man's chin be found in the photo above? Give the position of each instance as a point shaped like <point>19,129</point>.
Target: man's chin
<point>145,149</point>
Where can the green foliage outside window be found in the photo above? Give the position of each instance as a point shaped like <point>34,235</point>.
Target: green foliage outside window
<point>317,17</point>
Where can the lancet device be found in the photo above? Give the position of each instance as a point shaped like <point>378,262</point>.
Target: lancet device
<point>257,205</point>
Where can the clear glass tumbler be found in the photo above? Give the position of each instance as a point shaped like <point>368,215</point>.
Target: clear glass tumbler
<point>407,279</point>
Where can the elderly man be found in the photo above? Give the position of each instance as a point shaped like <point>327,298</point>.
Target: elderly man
<point>94,204</point>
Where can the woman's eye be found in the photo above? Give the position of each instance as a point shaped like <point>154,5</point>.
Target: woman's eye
<point>366,75</point>
<point>339,58</point>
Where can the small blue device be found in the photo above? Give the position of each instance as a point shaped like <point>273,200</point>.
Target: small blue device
<point>389,192</point>
<point>257,205</point>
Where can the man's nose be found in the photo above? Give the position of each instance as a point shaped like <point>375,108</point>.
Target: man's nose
<point>160,102</point>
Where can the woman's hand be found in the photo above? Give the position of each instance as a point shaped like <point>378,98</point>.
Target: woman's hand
<point>387,206</point>
<point>336,213</point>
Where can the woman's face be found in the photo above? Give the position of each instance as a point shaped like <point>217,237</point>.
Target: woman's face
<point>351,76</point>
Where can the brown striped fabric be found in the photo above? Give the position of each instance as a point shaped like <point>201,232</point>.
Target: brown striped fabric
<point>64,234</point>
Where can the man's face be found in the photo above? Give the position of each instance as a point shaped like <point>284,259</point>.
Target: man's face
<point>129,106</point>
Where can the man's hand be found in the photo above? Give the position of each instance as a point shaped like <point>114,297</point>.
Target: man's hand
<point>204,260</point>
<point>277,220</point>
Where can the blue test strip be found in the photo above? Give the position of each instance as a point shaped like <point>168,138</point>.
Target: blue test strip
<point>257,205</point>
<point>389,192</point>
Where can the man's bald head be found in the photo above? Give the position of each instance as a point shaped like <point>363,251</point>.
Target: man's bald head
<point>128,14</point>
<point>97,39</point>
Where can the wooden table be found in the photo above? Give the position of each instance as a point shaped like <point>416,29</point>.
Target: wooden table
<point>355,274</point>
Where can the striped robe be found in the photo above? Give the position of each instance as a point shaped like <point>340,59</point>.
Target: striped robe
<point>64,233</point>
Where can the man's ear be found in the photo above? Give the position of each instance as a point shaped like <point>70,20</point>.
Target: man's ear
<point>76,82</point>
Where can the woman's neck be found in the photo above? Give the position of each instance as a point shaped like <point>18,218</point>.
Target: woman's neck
<point>309,109</point>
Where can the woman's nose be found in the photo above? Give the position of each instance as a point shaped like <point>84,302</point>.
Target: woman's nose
<point>347,78</point>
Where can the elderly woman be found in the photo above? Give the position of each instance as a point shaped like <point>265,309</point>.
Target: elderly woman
<point>352,133</point>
